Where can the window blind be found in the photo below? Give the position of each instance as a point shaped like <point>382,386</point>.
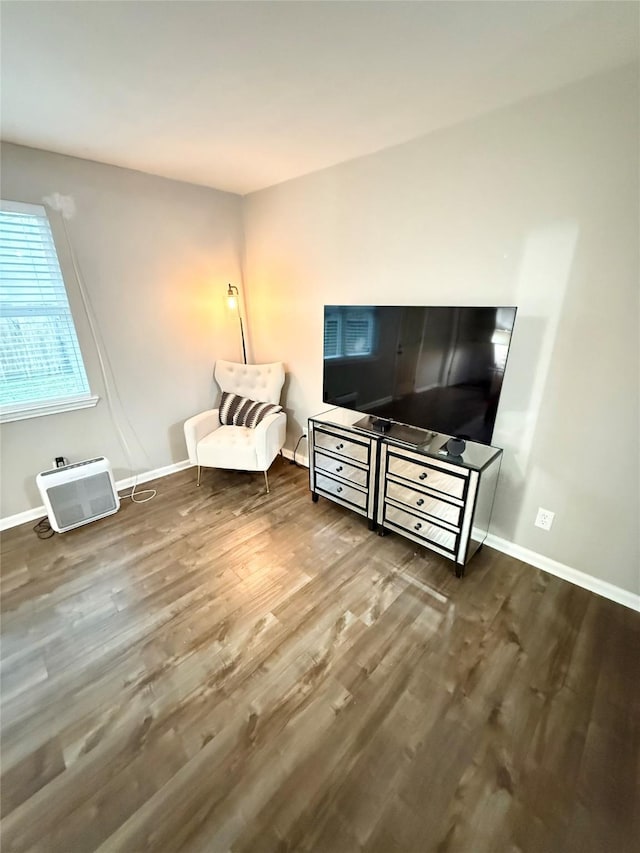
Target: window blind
<point>358,336</point>
<point>332,343</point>
<point>40,359</point>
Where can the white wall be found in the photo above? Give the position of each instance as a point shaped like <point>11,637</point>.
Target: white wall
<point>156,256</point>
<point>535,205</point>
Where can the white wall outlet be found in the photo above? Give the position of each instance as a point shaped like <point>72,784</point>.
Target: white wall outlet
<point>544,518</point>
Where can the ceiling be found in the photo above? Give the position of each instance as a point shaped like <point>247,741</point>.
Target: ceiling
<point>244,95</point>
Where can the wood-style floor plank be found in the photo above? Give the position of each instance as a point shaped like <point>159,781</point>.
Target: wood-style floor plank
<point>225,671</point>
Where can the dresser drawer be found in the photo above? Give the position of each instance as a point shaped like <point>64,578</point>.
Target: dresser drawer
<point>426,475</point>
<point>424,503</point>
<point>340,490</point>
<point>418,527</point>
<point>340,468</point>
<point>338,444</point>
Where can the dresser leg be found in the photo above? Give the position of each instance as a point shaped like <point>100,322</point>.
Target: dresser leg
<point>314,497</point>
<point>372,524</point>
<point>381,531</point>
<point>459,570</point>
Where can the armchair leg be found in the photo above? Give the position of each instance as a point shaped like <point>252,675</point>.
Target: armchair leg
<point>266,481</point>
<point>198,475</point>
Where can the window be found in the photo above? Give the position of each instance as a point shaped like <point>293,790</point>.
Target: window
<point>41,368</point>
<point>348,332</point>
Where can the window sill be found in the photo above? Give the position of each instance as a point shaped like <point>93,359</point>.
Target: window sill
<point>340,360</point>
<point>53,407</point>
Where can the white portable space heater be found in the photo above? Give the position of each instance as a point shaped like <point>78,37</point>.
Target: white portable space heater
<point>77,494</point>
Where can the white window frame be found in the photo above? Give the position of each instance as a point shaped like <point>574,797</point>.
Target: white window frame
<point>41,406</point>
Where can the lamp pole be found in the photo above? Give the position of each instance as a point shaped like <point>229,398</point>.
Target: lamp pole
<point>244,349</point>
<point>233,300</point>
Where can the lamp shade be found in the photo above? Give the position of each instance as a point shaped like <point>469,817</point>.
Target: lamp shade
<point>232,297</point>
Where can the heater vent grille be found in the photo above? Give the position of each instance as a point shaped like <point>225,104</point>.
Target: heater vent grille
<point>81,500</point>
<point>78,494</point>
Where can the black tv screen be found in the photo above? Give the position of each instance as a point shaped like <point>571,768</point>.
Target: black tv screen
<point>438,368</point>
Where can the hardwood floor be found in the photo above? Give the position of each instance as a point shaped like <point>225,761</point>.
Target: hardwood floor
<point>222,670</point>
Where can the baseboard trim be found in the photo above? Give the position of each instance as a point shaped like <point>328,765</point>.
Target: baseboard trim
<point>560,570</point>
<point>301,458</point>
<point>165,471</point>
<point>22,517</point>
<point>39,511</point>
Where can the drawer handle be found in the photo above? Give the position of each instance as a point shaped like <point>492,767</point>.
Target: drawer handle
<point>420,502</point>
<point>418,526</point>
<point>423,476</point>
<point>338,469</point>
<point>339,489</point>
<point>339,446</point>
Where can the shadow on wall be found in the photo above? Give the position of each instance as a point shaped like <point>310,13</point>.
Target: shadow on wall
<point>175,432</point>
<point>295,429</point>
<point>177,443</point>
<point>31,489</point>
<point>544,275</point>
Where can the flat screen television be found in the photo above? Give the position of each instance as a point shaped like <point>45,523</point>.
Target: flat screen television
<point>433,367</point>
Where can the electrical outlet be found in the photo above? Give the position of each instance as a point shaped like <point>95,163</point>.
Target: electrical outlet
<point>544,518</point>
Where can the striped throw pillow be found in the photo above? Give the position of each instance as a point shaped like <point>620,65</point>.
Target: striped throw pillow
<point>240,411</point>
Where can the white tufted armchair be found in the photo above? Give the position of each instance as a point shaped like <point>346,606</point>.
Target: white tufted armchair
<point>213,445</point>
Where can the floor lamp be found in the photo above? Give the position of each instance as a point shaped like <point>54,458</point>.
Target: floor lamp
<point>233,301</point>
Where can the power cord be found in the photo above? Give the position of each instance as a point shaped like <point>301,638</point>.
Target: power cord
<point>293,461</point>
<point>132,494</point>
<point>43,529</point>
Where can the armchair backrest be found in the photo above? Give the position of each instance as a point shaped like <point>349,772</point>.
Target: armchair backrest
<point>261,382</point>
